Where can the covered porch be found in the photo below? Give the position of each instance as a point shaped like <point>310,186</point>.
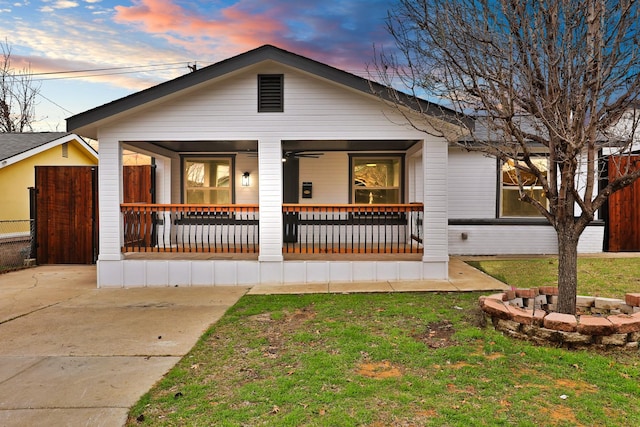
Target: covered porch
<point>272,231</point>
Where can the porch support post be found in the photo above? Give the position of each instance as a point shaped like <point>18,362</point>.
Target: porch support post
<point>270,199</point>
<point>109,198</point>
<point>435,223</point>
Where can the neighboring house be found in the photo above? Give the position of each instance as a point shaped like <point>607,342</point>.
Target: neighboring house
<point>21,152</point>
<point>274,168</point>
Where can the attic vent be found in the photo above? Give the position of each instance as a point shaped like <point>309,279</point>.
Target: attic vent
<point>270,93</point>
<point>65,150</point>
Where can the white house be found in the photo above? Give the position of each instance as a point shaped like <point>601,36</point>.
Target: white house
<point>274,168</point>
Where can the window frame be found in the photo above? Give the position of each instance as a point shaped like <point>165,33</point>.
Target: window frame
<point>183,181</point>
<point>501,189</point>
<point>373,157</point>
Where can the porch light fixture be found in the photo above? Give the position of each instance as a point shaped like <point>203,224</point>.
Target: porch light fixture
<point>245,179</point>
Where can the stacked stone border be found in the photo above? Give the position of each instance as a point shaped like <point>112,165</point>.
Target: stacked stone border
<point>601,322</point>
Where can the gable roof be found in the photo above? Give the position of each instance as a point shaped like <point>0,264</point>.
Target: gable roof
<point>86,122</point>
<point>15,147</point>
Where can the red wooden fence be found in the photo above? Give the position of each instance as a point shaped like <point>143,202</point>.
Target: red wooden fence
<point>624,209</point>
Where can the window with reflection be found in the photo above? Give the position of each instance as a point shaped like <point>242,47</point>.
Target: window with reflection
<point>207,180</point>
<point>511,205</point>
<point>376,180</point>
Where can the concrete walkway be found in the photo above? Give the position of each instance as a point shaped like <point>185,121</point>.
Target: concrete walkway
<point>75,355</point>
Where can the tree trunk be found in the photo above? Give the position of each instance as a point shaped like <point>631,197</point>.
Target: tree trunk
<point>567,270</point>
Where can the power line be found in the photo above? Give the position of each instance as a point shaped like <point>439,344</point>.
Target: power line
<point>55,103</point>
<point>102,74</point>
<point>91,70</point>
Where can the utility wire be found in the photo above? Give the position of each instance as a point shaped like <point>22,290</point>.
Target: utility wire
<point>91,70</point>
<point>55,103</point>
<point>103,74</point>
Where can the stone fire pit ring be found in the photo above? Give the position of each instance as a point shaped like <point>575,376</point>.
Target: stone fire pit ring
<point>529,314</point>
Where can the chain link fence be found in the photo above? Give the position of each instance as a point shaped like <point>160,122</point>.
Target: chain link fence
<point>16,244</point>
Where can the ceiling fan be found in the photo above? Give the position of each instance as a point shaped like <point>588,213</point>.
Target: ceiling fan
<point>299,154</point>
<point>293,154</point>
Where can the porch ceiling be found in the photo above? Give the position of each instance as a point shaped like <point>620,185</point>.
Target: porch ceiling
<point>290,145</point>
<point>349,145</point>
<point>205,146</point>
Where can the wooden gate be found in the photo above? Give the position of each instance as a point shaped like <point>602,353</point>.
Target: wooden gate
<point>65,206</point>
<point>138,186</point>
<point>624,210</point>
<point>66,200</point>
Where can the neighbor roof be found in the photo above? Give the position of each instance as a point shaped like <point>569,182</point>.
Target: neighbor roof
<point>264,53</point>
<point>16,146</point>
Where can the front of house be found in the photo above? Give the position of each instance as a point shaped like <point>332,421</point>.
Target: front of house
<point>273,168</point>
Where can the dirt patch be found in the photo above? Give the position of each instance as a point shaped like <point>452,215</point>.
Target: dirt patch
<point>378,370</point>
<point>561,416</point>
<point>437,334</point>
<point>576,387</point>
<point>276,327</point>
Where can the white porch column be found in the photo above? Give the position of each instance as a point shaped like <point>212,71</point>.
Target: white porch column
<point>270,200</point>
<point>109,197</point>
<point>435,224</point>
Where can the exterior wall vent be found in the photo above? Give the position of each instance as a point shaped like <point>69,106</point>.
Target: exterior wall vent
<point>270,93</point>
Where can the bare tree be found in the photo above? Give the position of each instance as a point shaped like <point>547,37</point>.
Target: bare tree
<point>557,76</point>
<point>17,95</point>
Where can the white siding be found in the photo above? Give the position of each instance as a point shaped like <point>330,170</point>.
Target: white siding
<point>270,166</point>
<point>472,185</point>
<point>436,251</point>
<point>329,175</point>
<point>516,240</point>
<point>415,175</point>
<point>109,199</point>
<point>314,109</point>
<point>247,163</point>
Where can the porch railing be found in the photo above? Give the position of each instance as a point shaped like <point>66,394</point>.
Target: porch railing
<point>363,229</point>
<point>308,229</point>
<point>190,228</point>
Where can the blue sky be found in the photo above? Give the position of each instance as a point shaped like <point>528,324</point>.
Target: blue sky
<point>156,39</point>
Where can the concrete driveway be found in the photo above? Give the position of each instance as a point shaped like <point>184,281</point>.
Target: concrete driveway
<point>74,355</point>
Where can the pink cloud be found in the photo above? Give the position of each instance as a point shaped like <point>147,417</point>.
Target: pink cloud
<point>331,31</point>
<point>154,15</point>
<point>236,27</point>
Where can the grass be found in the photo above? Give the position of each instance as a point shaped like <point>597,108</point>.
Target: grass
<point>605,277</point>
<point>387,360</point>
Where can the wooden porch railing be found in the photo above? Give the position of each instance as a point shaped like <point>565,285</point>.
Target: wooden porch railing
<point>308,229</point>
<point>190,228</point>
<point>366,229</point>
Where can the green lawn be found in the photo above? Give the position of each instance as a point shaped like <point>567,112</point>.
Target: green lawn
<point>605,277</point>
<point>414,359</point>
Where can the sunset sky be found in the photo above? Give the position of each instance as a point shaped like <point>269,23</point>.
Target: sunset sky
<point>156,39</point>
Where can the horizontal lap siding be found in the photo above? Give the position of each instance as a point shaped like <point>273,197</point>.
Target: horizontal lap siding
<point>472,185</point>
<point>329,175</point>
<point>516,240</point>
<point>313,110</point>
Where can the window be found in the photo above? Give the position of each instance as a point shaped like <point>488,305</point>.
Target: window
<point>270,93</point>
<point>208,180</point>
<point>376,180</point>
<point>511,204</point>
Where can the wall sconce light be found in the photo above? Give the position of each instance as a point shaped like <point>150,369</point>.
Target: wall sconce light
<point>245,179</point>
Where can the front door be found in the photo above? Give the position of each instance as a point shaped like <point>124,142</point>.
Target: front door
<point>290,194</point>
